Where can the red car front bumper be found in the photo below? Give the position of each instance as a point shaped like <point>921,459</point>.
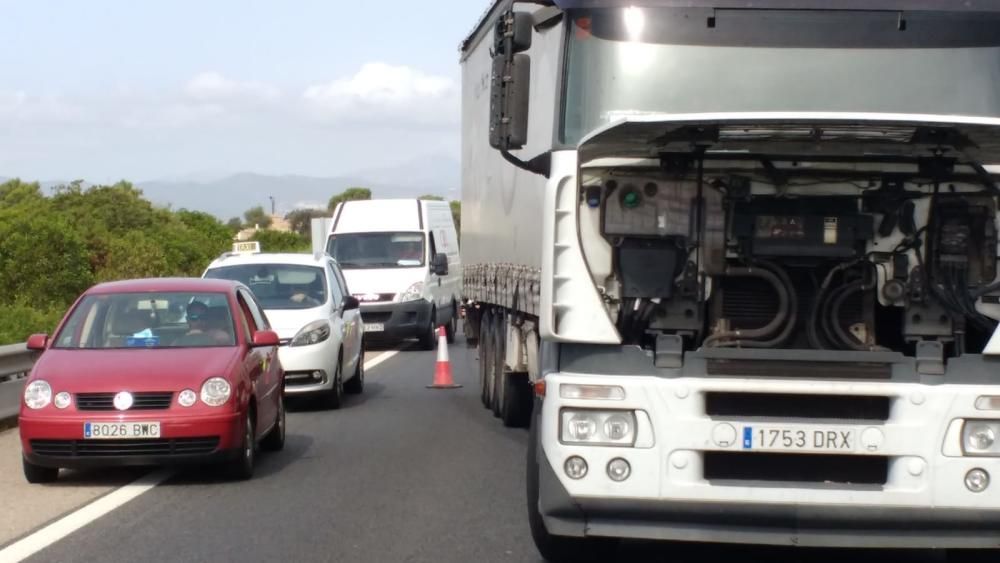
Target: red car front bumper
<point>57,440</point>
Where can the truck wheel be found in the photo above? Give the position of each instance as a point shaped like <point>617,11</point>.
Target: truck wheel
<point>516,396</point>
<point>499,352</point>
<point>36,474</point>
<point>485,357</point>
<point>558,549</point>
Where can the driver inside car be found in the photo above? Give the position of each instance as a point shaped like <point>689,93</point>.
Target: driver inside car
<point>199,328</point>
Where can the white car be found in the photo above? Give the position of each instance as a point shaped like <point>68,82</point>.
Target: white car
<point>317,320</point>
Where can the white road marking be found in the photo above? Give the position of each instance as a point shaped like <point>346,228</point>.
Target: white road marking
<point>58,530</point>
<point>32,544</point>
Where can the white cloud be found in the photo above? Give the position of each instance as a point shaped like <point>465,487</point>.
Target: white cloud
<point>214,87</point>
<point>380,92</point>
<point>18,106</point>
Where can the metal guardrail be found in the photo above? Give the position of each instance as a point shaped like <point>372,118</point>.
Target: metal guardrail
<point>16,361</point>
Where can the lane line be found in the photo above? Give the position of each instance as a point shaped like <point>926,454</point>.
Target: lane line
<point>58,530</point>
<point>32,544</point>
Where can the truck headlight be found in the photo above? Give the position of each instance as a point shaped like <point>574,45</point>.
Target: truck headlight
<point>597,427</point>
<point>412,293</point>
<point>979,438</point>
<point>38,394</point>
<point>313,333</point>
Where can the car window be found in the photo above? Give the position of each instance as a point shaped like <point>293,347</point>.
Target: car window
<point>256,316</point>
<point>149,320</point>
<point>340,278</point>
<point>335,287</point>
<point>278,286</point>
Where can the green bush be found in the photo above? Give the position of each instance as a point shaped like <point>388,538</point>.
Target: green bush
<point>18,321</point>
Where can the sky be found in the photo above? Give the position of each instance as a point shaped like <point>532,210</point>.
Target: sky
<point>104,90</point>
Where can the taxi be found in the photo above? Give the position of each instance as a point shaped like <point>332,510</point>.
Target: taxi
<point>317,320</point>
<point>154,372</point>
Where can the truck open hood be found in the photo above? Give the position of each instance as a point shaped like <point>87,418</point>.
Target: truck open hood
<point>971,140</point>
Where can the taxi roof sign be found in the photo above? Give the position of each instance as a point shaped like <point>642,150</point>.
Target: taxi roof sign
<point>247,247</point>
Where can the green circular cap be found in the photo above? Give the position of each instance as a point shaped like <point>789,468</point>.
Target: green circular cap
<point>631,199</point>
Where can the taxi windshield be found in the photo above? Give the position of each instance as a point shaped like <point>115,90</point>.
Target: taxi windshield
<point>278,286</point>
<point>149,320</point>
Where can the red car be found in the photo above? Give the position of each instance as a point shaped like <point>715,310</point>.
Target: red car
<point>154,372</point>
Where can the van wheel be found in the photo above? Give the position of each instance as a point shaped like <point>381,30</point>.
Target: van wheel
<point>37,474</point>
<point>429,337</point>
<point>449,329</point>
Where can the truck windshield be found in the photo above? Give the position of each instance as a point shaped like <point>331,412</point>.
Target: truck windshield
<point>377,250</point>
<point>632,61</point>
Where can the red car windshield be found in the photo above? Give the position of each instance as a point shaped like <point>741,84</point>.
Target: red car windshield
<point>149,320</point>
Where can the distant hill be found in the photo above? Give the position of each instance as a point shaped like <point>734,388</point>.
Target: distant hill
<point>228,196</point>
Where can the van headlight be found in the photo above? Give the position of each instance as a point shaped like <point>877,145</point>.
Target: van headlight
<point>412,293</point>
<point>313,333</point>
<point>216,391</point>
<point>597,427</point>
<point>38,394</point>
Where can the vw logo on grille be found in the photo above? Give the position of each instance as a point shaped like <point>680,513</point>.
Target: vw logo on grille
<point>123,401</point>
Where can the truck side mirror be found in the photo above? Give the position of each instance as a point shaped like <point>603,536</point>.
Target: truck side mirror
<point>511,80</point>
<point>439,264</point>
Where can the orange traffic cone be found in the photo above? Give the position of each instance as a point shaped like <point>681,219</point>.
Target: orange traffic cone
<point>442,373</point>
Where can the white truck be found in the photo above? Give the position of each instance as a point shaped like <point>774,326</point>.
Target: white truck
<point>735,261</point>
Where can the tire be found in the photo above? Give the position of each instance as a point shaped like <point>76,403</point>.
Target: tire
<point>499,353</point>
<point>485,356</point>
<point>37,474</point>
<point>242,469</point>
<point>558,549</point>
<point>516,407</point>
<point>334,398</point>
<point>356,385</point>
<point>275,439</point>
<point>429,337</point>
<point>451,327</point>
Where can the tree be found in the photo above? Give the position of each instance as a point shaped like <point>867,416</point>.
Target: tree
<point>234,224</point>
<point>350,194</point>
<point>278,241</point>
<point>431,198</point>
<point>256,216</point>
<point>300,220</point>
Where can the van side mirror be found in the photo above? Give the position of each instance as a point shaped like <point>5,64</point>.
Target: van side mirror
<point>37,342</point>
<point>439,264</point>
<point>510,81</point>
<point>351,302</point>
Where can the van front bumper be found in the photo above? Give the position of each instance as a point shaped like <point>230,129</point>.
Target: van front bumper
<point>396,320</point>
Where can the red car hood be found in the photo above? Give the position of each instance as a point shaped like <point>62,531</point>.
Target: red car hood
<point>95,371</point>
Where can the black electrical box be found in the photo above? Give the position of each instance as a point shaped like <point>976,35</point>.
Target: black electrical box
<point>826,227</point>
<point>648,267</point>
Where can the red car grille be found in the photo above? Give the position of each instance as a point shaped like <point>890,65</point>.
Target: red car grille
<point>125,448</point>
<point>146,401</point>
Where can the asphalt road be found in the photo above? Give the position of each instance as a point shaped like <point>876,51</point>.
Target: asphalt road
<point>10,398</point>
<point>401,473</point>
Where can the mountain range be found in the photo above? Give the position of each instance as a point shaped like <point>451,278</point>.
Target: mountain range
<point>229,195</point>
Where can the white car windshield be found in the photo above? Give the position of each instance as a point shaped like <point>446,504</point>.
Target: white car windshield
<point>278,286</point>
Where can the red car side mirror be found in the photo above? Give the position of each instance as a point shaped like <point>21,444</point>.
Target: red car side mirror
<point>38,341</point>
<point>265,338</point>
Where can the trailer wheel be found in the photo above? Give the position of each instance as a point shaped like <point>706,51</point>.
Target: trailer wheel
<point>558,549</point>
<point>499,355</point>
<point>485,358</point>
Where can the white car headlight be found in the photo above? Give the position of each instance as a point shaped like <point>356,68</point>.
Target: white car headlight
<point>979,438</point>
<point>597,427</point>
<point>38,394</point>
<point>412,293</point>
<point>313,333</point>
<point>215,392</point>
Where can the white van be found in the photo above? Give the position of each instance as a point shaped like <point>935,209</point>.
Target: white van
<point>400,258</point>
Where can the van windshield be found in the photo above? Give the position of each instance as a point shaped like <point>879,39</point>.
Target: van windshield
<point>377,250</point>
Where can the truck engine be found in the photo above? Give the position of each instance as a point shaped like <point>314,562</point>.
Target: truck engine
<point>794,255</point>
